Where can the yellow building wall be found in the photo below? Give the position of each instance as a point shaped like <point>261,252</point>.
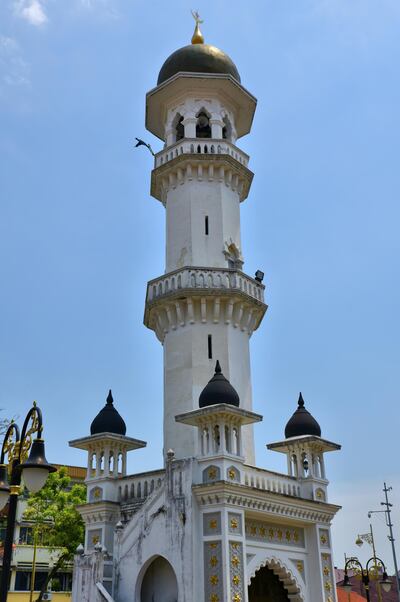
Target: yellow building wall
<point>24,597</point>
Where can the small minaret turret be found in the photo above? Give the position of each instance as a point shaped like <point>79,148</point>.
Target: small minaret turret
<point>204,306</point>
<point>107,448</point>
<point>219,421</point>
<point>305,449</point>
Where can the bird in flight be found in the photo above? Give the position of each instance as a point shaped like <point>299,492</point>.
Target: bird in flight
<point>143,143</point>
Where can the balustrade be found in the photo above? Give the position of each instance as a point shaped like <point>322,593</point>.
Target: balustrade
<point>200,146</point>
<point>204,278</point>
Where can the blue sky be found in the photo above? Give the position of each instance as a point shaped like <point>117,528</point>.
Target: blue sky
<point>80,235</point>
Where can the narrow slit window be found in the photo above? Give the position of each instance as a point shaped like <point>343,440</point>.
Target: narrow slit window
<point>209,347</point>
<point>206,225</point>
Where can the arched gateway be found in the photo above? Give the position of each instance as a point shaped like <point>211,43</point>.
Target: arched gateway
<point>267,586</point>
<point>159,582</point>
<point>273,581</point>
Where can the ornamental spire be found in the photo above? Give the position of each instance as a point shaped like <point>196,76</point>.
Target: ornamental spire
<point>197,37</point>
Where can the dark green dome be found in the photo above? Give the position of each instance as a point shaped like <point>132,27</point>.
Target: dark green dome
<point>198,58</point>
<point>302,422</point>
<point>218,390</point>
<point>108,420</point>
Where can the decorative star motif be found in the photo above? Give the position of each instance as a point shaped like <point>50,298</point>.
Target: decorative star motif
<point>236,598</point>
<point>214,579</point>
<point>328,586</point>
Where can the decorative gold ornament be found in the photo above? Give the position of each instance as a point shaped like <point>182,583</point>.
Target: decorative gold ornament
<point>324,539</point>
<point>288,535</point>
<point>197,37</point>
<point>236,580</point>
<point>326,571</point>
<point>271,533</point>
<point>300,566</point>
<point>234,545</point>
<point>214,598</point>
<point>236,598</point>
<point>235,560</point>
<point>253,530</point>
<point>212,473</point>
<point>214,579</point>
<point>213,546</point>
<point>295,536</point>
<point>213,561</point>
<point>328,586</point>
<point>279,534</point>
<point>263,531</point>
<point>95,539</point>
<point>213,524</point>
<point>231,474</point>
<point>234,523</point>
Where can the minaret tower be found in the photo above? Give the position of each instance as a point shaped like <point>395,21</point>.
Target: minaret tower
<point>204,307</point>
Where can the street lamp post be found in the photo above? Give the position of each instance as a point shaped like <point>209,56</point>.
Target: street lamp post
<point>34,471</point>
<point>369,538</point>
<point>389,524</point>
<point>366,574</point>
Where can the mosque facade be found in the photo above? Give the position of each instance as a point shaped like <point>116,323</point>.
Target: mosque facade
<point>210,526</point>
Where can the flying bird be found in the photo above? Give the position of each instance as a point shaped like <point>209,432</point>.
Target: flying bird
<point>143,143</point>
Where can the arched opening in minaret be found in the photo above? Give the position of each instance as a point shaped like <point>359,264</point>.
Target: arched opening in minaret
<point>203,127</point>
<point>267,586</point>
<point>159,582</point>
<point>227,129</point>
<point>178,127</point>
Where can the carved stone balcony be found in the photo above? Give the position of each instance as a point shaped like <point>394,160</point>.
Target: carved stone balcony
<point>200,146</point>
<point>197,294</point>
<point>201,159</point>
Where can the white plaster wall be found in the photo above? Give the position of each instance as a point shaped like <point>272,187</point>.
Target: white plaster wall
<point>186,208</point>
<point>164,526</point>
<point>187,370</point>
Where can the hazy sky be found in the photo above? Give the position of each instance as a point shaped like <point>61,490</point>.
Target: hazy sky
<point>80,235</point>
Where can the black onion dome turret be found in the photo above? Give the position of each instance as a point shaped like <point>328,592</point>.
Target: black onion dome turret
<point>198,58</point>
<point>302,422</point>
<point>218,390</point>
<point>108,420</point>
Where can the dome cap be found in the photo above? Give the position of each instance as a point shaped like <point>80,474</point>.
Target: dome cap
<point>218,390</point>
<point>198,57</point>
<point>302,422</point>
<point>108,420</point>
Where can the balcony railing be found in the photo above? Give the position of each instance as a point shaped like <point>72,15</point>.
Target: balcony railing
<point>204,279</point>
<point>271,481</point>
<point>200,146</point>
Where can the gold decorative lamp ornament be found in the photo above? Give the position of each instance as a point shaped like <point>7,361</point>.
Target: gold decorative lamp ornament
<point>197,37</point>
<point>33,470</point>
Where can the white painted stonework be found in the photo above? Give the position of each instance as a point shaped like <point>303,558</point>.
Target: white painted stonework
<point>209,525</point>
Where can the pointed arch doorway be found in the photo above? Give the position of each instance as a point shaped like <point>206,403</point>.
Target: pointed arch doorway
<point>266,586</point>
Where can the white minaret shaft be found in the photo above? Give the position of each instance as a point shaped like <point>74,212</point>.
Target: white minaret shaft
<point>204,308</point>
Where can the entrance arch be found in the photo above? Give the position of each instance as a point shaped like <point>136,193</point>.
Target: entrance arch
<point>159,582</point>
<point>272,580</point>
<point>267,586</point>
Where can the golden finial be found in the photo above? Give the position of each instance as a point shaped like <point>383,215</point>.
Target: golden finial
<point>197,37</point>
<point>34,404</point>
